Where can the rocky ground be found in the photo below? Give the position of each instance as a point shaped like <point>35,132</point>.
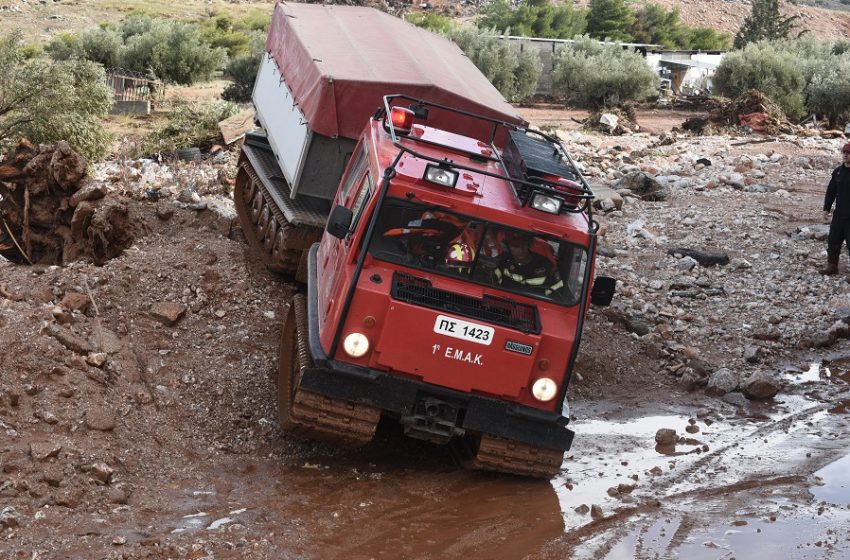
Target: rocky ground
<point>137,402</point>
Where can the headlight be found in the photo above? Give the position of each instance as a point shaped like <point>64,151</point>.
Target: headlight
<point>545,203</point>
<point>440,176</point>
<point>544,389</point>
<point>355,345</point>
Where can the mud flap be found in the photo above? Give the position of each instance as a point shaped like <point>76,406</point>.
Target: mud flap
<point>603,290</point>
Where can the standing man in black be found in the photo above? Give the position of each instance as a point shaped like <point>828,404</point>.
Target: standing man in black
<point>838,192</point>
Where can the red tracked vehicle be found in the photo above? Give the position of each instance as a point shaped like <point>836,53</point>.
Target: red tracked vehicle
<point>450,285</point>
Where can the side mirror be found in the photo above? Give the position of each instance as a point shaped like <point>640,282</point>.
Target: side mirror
<point>603,290</point>
<point>339,222</point>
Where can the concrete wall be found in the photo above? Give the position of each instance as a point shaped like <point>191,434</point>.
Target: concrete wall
<point>131,108</point>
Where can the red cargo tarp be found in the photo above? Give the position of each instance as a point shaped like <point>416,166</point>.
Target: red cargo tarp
<point>339,62</point>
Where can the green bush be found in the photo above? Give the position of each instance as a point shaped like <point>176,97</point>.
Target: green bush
<point>99,45</point>
<point>188,124</point>
<point>174,52</point>
<point>47,101</point>
<point>430,21</point>
<point>242,70</point>
<point>62,46</point>
<point>767,67</point>
<point>513,73</point>
<point>596,74</point>
<point>828,92</point>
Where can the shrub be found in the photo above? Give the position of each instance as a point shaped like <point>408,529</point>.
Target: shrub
<point>48,101</point>
<point>513,73</point>
<point>828,92</point>
<point>188,124</point>
<point>595,74</point>
<point>62,46</point>
<point>766,67</point>
<point>174,52</point>
<point>431,21</point>
<point>243,71</point>
<point>99,45</point>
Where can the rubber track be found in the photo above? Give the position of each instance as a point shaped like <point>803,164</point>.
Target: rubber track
<point>320,417</point>
<point>286,252</point>
<point>513,457</point>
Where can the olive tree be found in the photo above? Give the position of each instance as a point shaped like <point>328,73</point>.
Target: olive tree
<point>598,74</point>
<point>47,101</point>
<point>513,70</point>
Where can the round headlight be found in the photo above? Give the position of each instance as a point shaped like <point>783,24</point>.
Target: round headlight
<point>355,345</point>
<point>544,389</point>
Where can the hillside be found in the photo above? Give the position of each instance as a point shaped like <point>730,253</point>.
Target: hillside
<point>40,21</point>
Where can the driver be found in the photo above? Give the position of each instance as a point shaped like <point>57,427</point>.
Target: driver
<point>522,267</point>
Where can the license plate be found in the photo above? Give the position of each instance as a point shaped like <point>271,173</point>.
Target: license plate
<point>464,330</point>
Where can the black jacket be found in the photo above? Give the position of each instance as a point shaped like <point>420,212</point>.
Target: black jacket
<point>838,191</point>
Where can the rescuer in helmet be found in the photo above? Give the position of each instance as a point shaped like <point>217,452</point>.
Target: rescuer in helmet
<point>838,192</point>
<point>520,266</point>
<point>460,257</point>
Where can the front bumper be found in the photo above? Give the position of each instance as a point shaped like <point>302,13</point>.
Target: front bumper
<point>400,396</point>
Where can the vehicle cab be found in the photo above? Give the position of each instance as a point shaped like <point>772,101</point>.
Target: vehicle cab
<point>451,287</point>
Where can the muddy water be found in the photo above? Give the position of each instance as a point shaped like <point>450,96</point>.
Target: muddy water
<point>766,481</point>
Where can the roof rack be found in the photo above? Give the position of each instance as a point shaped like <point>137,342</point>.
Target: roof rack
<point>534,162</point>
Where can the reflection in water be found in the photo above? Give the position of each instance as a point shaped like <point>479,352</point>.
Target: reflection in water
<point>836,483</point>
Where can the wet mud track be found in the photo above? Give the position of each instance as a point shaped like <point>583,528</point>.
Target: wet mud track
<point>763,481</point>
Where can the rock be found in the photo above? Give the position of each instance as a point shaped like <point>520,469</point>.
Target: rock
<point>596,512</point>
<point>666,437</point>
<point>168,313</point>
<point>638,325</point>
<point>761,386</point>
<point>704,258</point>
<point>643,185</point>
<point>75,301</point>
<point>582,509</point>
<point>69,340</point>
<point>100,419</point>
<point>609,120</point>
<point>692,428</point>
<point>92,191</point>
<point>735,398</point>
<point>71,498</point>
<point>823,339</point>
<point>613,492</point>
<point>96,359</point>
<point>686,264</point>
<point>164,211</point>
<point>751,354</point>
<point>44,450</point>
<point>9,517</point>
<point>722,381</point>
<point>656,471</point>
<point>101,472</point>
<point>118,494</point>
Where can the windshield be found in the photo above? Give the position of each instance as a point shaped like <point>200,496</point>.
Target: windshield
<point>482,252</point>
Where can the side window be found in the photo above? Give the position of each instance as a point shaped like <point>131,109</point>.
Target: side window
<point>355,173</point>
<point>360,200</point>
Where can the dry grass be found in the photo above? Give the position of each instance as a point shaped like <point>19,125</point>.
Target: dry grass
<point>39,22</point>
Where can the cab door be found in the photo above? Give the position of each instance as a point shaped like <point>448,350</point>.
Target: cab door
<point>334,253</point>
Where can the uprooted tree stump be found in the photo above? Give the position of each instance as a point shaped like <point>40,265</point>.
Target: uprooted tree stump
<point>50,213</point>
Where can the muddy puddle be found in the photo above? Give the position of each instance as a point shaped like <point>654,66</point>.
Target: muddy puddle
<point>769,480</point>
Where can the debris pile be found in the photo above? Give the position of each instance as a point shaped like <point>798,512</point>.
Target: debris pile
<point>752,111</point>
<point>51,214</point>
